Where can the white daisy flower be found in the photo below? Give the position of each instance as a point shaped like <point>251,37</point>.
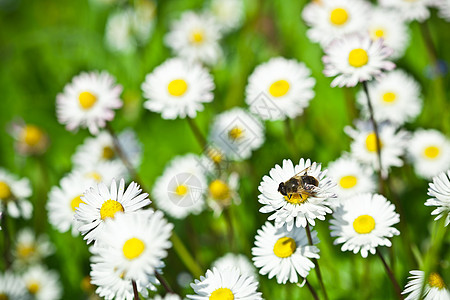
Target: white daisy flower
<point>295,210</point>
<point>429,151</point>
<point>225,284</point>
<point>29,139</point>
<point>364,222</point>
<point>180,190</point>
<point>99,204</point>
<point>30,249</point>
<point>103,171</point>
<point>388,25</point>
<point>440,191</point>
<point>128,28</point>
<point>393,144</point>
<point>351,177</point>
<point>88,101</point>
<point>101,148</point>
<point>229,14</point>
<point>178,89</point>
<point>435,288</point>
<point>12,287</point>
<point>167,297</point>
<point>238,261</point>
<point>237,133</point>
<point>63,200</point>
<point>136,243</point>
<point>409,10</point>
<point>284,254</point>
<point>395,98</point>
<point>355,58</point>
<point>42,284</point>
<point>222,192</point>
<point>444,9</point>
<point>279,88</point>
<point>195,37</point>
<point>331,19</point>
<point>13,195</point>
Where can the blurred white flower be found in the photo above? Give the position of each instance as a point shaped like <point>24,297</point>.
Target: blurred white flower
<point>239,261</point>
<point>434,287</point>
<point>29,138</point>
<point>410,10</point>
<point>13,195</point>
<point>229,14</point>
<point>440,191</point>
<point>12,287</point>
<point>222,192</point>
<point>30,249</point>
<point>42,284</point>
<point>444,9</point>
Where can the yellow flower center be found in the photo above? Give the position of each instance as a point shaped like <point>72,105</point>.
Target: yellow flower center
<point>222,294</point>
<point>279,88</point>
<point>431,152</point>
<point>108,153</point>
<point>3,296</point>
<point>371,142</point>
<point>133,248</point>
<point>434,280</point>
<point>87,100</point>
<point>5,191</point>
<point>109,209</point>
<point>284,247</point>
<point>219,190</point>
<point>389,97</point>
<point>364,224</point>
<point>181,190</point>
<point>379,33</point>
<point>32,135</point>
<point>358,58</point>
<point>94,175</point>
<point>197,36</point>
<point>347,182</point>
<point>236,133</point>
<point>76,202</point>
<point>215,155</point>
<point>177,87</point>
<point>33,287</point>
<point>296,198</point>
<point>25,251</point>
<point>338,16</point>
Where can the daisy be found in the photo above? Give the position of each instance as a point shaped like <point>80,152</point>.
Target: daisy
<point>225,284</point>
<point>331,19</point>
<point>42,284</point>
<point>178,89</point>
<point>63,200</point>
<point>180,190</point>
<point>444,9</point>
<point>295,209</point>
<point>195,37</point>
<point>364,222</point>
<point>395,97</point>
<point>351,177</point>
<point>30,249</point>
<point>12,287</point>
<point>229,14</point>
<point>88,101</point>
<point>239,261</point>
<point>135,243</point>
<point>167,297</point>
<point>237,133</point>
<point>13,195</point>
<point>222,191</point>
<point>388,25</point>
<point>409,10</point>
<point>99,204</point>
<point>101,148</point>
<point>440,191</point>
<point>279,88</point>
<point>434,288</point>
<point>103,171</point>
<point>393,144</point>
<point>429,151</point>
<point>29,139</point>
<point>356,58</point>
<point>284,254</point>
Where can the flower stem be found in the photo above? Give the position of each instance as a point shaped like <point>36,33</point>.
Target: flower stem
<point>397,288</point>
<point>197,133</point>
<point>290,137</point>
<point>6,240</point>
<point>377,138</point>
<point>164,283</point>
<point>230,228</point>
<point>135,291</point>
<point>312,290</point>
<point>316,263</point>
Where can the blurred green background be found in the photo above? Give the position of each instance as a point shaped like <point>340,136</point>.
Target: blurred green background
<point>43,44</point>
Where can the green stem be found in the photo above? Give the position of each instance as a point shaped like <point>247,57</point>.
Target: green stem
<point>391,276</point>
<point>230,228</point>
<point>290,138</point>
<point>316,263</point>
<point>135,291</point>
<point>312,290</point>
<point>197,133</point>
<point>6,239</point>
<point>164,283</point>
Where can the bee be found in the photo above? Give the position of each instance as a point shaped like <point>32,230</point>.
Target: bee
<point>300,184</point>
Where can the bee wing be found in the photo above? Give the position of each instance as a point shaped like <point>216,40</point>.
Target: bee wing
<point>309,190</point>
<point>302,172</point>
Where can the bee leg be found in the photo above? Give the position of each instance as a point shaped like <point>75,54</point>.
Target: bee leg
<point>290,196</point>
